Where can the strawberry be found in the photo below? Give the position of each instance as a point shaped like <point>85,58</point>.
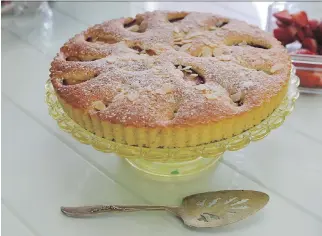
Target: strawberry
<point>291,31</point>
<point>300,18</point>
<point>284,17</point>
<point>320,50</point>
<point>300,35</point>
<point>309,79</point>
<point>310,44</point>
<point>305,78</point>
<point>308,31</point>
<point>319,83</point>
<point>313,24</point>
<point>280,24</point>
<point>318,36</point>
<point>284,35</point>
<point>318,33</point>
<point>304,51</point>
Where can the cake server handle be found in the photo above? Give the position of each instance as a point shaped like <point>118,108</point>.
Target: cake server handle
<point>87,211</point>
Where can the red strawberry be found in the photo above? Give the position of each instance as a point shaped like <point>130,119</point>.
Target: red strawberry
<point>309,78</point>
<point>310,44</point>
<point>284,35</point>
<point>320,50</point>
<point>284,16</point>
<point>307,31</point>
<point>304,51</point>
<point>300,35</point>
<point>318,33</point>
<point>280,24</point>
<point>313,24</point>
<point>292,31</point>
<point>300,18</point>
<point>319,83</point>
<point>320,26</point>
<point>318,36</point>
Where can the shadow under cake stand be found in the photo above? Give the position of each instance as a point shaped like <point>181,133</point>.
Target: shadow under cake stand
<point>172,163</point>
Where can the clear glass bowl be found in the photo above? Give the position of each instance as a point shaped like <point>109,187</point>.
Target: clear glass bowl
<point>308,67</point>
<point>172,163</point>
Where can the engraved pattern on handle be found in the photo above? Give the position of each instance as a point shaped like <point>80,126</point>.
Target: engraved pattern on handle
<point>86,211</point>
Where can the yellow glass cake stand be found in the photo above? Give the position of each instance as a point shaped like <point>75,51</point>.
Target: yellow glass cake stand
<point>174,162</point>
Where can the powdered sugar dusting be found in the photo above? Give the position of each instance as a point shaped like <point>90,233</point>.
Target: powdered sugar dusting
<point>139,77</point>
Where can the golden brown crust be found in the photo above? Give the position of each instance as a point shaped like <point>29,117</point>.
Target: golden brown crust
<point>170,69</point>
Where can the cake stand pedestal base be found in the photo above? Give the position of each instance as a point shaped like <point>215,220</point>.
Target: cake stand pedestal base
<point>173,170</point>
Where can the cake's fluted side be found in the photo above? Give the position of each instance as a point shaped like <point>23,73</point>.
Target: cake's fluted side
<point>175,137</point>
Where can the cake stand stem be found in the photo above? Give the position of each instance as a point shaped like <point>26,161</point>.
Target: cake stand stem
<point>174,170</point>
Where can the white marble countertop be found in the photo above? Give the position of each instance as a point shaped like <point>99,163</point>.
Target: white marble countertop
<point>44,168</point>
